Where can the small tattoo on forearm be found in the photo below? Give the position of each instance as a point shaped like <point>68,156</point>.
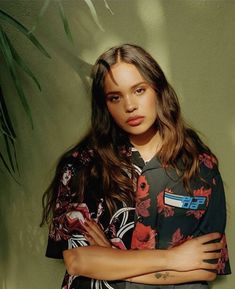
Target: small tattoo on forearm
<point>164,275</point>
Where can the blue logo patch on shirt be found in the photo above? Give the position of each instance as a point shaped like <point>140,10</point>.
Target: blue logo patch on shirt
<point>185,202</point>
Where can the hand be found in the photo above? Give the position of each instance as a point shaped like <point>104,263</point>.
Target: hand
<point>193,253</point>
<point>95,235</point>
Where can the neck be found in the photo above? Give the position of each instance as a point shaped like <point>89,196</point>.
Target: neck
<point>148,144</point>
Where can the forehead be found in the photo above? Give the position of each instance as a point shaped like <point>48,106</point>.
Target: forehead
<point>122,76</point>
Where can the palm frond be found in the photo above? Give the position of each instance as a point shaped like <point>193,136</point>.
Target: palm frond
<point>94,14</point>
<point>40,14</point>
<point>65,21</point>
<point>6,50</point>
<point>108,7</point>
<point>18,59</point>
<point>6,124</point>
<point>8,169</point>
<point>9,19</point>
<point>9,153</point>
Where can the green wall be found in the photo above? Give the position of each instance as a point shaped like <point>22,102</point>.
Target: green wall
<point>194,43</point>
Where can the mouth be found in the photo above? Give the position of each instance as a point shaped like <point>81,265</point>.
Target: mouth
<point>135,120</point>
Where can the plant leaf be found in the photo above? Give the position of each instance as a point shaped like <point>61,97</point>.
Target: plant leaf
<point>10,63</point>
<point>18,59</point>
<point>41,13</point>
<point>4,129</point>
<point>5,118</point>
<point>8,169</point>
<point>9,153</point>
<point>8,18</point>
<point>94,14</point>
<point>108,7</point>
<point>15,156</point>
<point>65,21</point>
<point>5,132</point>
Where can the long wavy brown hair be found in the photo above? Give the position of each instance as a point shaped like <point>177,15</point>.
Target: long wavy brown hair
<point>180,148</point>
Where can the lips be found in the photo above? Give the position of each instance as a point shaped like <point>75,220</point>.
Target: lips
<point>135,120</point>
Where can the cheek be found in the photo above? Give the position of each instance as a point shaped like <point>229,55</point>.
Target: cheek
<point>151,104</point>
<point>115,114</point>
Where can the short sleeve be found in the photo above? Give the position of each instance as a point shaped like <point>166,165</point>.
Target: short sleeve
<point>69,213</point>
<point>215,219</point>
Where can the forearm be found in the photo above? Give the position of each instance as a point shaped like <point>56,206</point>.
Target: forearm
<point>173,277</point>
<point>112,264</point>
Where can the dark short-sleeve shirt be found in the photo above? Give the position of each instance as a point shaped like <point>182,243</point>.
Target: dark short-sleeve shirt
<point>168,215</point>
<point>165,214</point>
<point>67,229</point>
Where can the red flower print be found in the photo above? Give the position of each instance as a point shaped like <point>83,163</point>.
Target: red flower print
<point>198,193</point>
<point>168,211</point>
<point>142,208</point>
<point>143,237</point>
<point>208,160</point>
<point>142,188</point>
<point>224,256</point>
<point>220,267</point>
<point>197,213</point>
<point>178,238</point>
<point>202,192</point>
<point>225,248</point>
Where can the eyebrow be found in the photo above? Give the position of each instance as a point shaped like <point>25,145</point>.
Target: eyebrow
<point>132,87</point>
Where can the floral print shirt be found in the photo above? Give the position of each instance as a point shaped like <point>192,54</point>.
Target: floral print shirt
<point>67,229</point>
<point>167,215</point>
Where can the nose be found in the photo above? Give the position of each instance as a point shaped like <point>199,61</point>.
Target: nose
<point>130,104</point>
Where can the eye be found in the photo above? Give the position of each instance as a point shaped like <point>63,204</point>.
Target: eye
<point>113,98</point>
<point>140,90</point>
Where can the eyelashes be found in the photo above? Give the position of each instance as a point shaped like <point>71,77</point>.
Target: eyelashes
<point>140,90</point>
<point>113,98</point>
<point>116,98</point>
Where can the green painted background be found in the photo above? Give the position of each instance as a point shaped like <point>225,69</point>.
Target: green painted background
<point>193,40</point>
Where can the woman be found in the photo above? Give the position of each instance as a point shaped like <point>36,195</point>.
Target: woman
<point>136,121</point>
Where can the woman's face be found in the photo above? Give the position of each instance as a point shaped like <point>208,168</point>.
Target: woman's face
<point>131,100</point>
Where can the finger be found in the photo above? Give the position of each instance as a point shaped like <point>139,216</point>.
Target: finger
<point>209,266</point>
<point>93,228</point>
<point>90,240</point>
<point>213,246</point>
<point>97,234</point>
<point>95,231</point>
<point>92,234</point>
<point>208,237</point>
<point>212,255</point>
